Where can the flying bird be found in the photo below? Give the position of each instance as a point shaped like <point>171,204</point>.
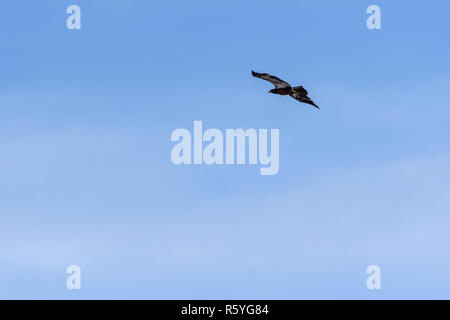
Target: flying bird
<point>283,88</point>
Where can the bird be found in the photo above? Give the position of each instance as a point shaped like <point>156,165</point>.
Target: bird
<point>283,88</point>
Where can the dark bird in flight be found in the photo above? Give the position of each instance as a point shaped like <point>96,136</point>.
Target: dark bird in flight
<point>283,88</point>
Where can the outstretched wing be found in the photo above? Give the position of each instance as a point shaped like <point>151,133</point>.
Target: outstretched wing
<point>300,94</point>
<point>278,83</point>
<point>300,90</point>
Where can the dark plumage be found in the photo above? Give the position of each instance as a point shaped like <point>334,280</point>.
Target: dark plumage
<point>283,88</point>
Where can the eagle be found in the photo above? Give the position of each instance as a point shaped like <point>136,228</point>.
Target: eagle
<point>283,88</point>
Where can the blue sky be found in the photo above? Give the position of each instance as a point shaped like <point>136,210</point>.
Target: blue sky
<point>85,169</point>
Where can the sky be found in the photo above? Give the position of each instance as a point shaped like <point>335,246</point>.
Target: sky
<point>86,176</point>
